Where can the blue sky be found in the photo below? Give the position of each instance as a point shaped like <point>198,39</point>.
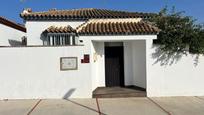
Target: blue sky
<point>12,8</point>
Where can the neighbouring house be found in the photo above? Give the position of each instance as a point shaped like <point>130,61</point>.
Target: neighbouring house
<point>70,53</point>
<point>12,34</point>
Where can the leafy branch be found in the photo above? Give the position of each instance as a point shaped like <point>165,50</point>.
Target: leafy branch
<point>179,33</point>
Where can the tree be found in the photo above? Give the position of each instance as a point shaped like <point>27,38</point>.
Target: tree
<point>179,33</point>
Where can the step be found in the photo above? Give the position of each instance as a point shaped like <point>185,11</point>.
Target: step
<point>114,92</point>
<point>119,95</point>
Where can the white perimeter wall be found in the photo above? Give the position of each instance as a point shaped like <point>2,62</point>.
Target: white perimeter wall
<point>135,63</point>
<point>34,72</point>
<point>9,34</point>
<point>35,29</point>
<point>182,78</point>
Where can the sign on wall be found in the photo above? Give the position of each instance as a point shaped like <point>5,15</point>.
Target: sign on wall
<point>68,63</point>
<point>86,59</point>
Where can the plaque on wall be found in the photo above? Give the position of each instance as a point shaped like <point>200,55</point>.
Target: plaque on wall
<point>68,63</point>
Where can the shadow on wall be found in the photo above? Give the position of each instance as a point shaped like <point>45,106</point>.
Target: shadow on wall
<point>14,42</point>
<point>169,58</point>
<point>69,93</point>
<point>43,36</point>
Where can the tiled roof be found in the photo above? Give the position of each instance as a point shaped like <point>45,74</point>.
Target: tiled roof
<point>129,26</point>
<point>86,13</point>
<point>65,29</point>
<point>12,24</point>
<point>116,27</point>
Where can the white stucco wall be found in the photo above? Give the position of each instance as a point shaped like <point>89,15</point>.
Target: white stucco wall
<point>34,72</point>
<point>182,78</point>
<point>128,65</point>
<point>10,36</point>
<point>35,29</point>
<point>135,63</point>
<point>98,65</point>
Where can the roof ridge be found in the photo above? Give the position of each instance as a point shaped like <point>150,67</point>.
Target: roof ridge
<point>125,11</point>
<point>56,10</point>
<point>82,13</point>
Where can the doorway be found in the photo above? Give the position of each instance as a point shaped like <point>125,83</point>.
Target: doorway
<point>114,66</point>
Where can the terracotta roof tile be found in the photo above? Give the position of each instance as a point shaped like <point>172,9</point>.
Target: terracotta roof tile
<point>86,13</point>
<point>116,27</point>
<point>54,29</point>
<point>130,26</point>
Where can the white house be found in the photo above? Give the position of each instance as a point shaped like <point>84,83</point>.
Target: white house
<point>11,33</point>
<point>70,53</point>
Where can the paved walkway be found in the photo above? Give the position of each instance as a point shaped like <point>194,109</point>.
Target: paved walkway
<point>114,106</point>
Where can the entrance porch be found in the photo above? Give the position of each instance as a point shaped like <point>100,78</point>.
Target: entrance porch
<point>118,64</point>
<point>125,68</point>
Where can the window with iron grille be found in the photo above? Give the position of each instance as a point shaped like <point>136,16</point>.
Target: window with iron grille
<point>59,39</point>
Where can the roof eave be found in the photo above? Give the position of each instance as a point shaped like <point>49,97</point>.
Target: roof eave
<point>12,24</point>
